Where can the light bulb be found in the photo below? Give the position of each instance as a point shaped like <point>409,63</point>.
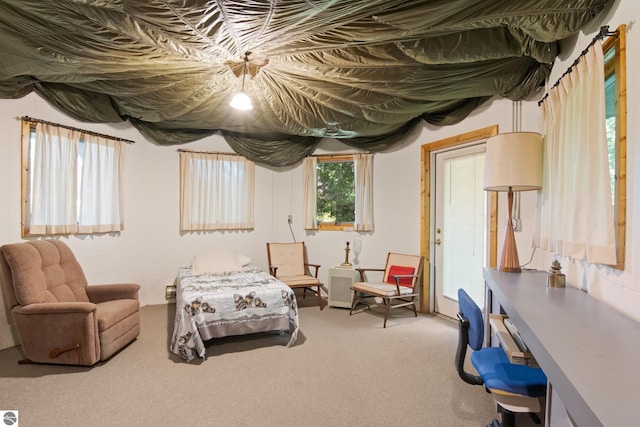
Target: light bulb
<point>241,101</point>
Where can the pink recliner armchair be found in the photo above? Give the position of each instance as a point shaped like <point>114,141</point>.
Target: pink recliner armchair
<point>58,317</point>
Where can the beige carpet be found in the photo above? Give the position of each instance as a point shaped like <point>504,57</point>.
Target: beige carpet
<point>343,371</point>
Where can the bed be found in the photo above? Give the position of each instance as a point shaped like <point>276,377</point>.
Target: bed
<point>214,303</point>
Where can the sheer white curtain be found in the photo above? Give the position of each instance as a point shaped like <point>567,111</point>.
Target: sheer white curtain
<point>310,179</point>
<point>216,191</point>
<point>575,213</point>
<point>363,181</point>
<point>53,190</point>
<point>363,169</point>
<point>71,192</point>
<point>101,188</point>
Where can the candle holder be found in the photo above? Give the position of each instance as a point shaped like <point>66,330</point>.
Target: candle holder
<point>348,234</point>
<point>346,262</point>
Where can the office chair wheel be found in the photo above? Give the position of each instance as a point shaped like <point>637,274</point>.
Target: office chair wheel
<point>508,418</point>
<point>536,419</point>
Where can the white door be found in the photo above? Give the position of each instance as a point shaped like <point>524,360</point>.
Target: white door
<point>460,232</point>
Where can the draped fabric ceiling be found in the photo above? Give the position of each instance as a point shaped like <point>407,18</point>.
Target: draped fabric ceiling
<point>362,71</point>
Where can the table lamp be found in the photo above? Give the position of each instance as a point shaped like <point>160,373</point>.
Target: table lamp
<point>513,162</point>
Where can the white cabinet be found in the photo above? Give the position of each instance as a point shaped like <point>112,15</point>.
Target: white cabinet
<point>340,281</point>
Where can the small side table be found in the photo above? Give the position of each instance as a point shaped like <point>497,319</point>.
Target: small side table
<point>340,281</point>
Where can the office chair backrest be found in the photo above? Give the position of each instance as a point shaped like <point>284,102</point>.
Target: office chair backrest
<point>470,311</point>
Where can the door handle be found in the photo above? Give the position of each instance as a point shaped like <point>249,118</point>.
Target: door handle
<point>437,242</point>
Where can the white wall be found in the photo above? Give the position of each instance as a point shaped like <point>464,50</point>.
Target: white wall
<point>150,249</point>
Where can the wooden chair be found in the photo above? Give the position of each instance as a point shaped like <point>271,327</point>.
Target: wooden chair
<point>399,286</point>
<point>287,262</point>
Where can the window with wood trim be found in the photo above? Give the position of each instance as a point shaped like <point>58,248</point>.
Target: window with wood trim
<point>335,197</point>
<point>71,181</point>
<point>614,49</point>
<point>216,191</point>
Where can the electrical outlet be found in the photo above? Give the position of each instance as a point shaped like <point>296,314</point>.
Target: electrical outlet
<point>289,219</point>
<point>170,292</point>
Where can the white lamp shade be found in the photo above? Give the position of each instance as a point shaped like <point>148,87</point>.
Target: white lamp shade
<point>513,161</point>
<point>241,101</point>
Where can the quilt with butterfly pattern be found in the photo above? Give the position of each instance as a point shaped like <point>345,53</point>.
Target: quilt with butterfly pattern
<point>216,305</point>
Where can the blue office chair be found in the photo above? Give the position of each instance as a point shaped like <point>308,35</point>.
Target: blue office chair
<point>515,388</point>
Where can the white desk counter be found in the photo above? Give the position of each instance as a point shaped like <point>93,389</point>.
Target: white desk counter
<point>589,351</point>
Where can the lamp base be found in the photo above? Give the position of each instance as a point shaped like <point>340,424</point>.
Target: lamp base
<point>509,261</point>
<point>510,269</point>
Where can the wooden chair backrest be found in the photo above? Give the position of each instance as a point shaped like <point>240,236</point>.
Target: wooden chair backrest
<point>288,257</point>
<point>403,260</point>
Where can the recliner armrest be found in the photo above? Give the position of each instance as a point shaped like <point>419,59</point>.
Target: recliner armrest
<point>102,293</point>
<point>58,332</point>
<point>55,308</point>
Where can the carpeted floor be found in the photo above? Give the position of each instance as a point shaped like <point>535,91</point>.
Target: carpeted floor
<point>343,371</point>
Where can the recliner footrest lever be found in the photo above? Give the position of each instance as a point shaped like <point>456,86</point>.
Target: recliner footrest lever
<point>55,352</point>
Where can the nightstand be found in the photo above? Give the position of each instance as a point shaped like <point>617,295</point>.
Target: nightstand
<point>340,281</point>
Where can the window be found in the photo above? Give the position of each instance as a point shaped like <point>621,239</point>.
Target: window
<point>335,197</point>
<point>71,181</point>
<point>614,49</point>
<point>216,191</point>
<point>339,192</point>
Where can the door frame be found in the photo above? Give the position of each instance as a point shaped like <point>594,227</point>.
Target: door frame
<point>426,300</point>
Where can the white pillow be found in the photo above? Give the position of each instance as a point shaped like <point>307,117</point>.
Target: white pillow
<point>216,261</point>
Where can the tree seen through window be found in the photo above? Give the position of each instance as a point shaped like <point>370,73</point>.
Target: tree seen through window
<point>335,192</point>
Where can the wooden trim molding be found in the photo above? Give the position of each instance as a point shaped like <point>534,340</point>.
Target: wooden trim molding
<point>620,68</point>
<point>425,207</point>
